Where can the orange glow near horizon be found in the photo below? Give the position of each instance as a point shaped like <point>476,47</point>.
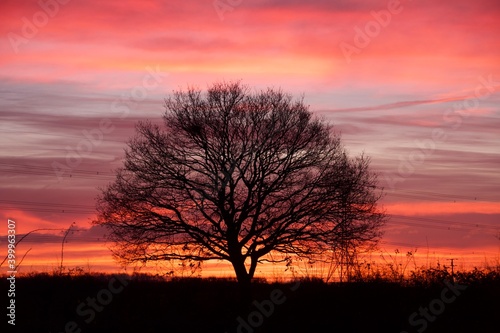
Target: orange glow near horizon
<point>46,258</point>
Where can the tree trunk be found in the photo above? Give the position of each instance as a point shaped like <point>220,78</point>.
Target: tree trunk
<point>244,282</point>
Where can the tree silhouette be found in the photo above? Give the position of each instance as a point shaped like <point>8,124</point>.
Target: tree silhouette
<point>234,175</point>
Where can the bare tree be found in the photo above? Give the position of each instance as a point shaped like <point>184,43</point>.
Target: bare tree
<point>233,175</point>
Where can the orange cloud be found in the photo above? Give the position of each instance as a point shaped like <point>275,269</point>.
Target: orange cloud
<point>442,208</point>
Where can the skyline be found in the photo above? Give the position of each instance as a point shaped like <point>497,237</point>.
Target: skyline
<point>415,85</point>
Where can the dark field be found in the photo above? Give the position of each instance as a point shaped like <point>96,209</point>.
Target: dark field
<point>103,303</point>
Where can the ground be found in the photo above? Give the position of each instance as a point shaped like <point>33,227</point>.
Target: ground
<point>107,303</point>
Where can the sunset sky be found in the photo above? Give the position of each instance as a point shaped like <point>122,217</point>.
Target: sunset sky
<point>415,85</point>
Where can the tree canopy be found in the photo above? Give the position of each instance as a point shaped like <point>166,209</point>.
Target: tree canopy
<point>236,175</point>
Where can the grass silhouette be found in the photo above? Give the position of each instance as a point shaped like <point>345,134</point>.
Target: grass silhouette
<point>48,302</point>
